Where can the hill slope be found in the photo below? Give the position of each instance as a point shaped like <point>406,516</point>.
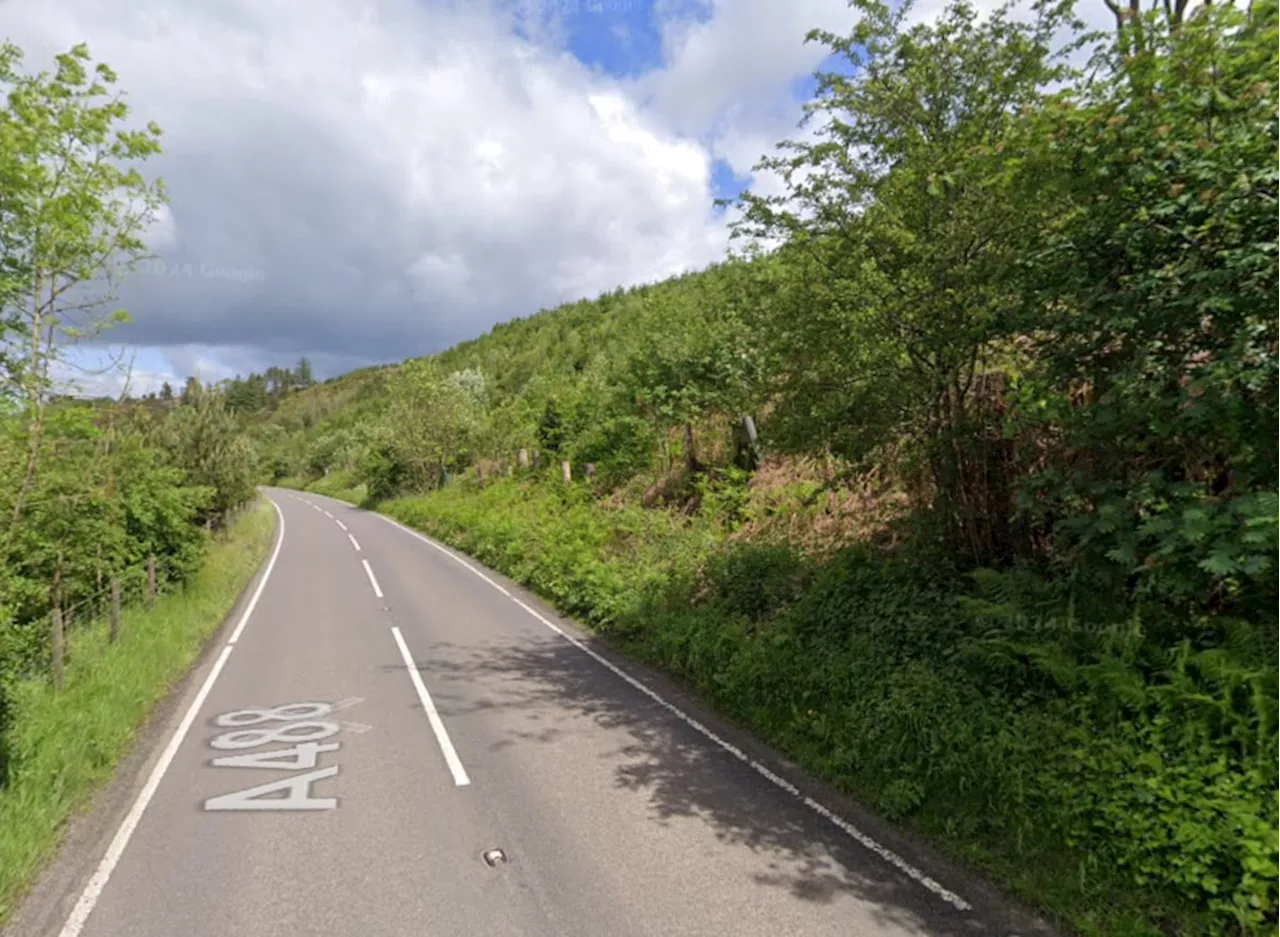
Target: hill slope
<point>1005,566</point>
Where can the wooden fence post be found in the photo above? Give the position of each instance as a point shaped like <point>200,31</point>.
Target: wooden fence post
<point>752,439</point>
<point>566,471</point>
<point>115,609</point>
<point>151,580</point>
<point>523,458</point>
<point>55,620</point>
<point>590,470</point>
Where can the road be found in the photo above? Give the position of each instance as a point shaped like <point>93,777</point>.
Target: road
<point>385,712</point>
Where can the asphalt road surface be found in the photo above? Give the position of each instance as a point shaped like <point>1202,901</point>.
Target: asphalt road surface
<point>384,712</point>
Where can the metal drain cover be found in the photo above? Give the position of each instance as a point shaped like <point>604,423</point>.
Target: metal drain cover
<point>494,857</point>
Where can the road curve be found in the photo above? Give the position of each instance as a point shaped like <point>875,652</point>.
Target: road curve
<point>386,713</point>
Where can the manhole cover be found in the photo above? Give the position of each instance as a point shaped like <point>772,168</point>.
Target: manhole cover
<point>494,857</point>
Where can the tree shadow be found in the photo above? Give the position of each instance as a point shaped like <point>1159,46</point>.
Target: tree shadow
<point>544,691</point>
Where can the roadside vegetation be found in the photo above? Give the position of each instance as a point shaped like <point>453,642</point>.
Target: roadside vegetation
<point>63,744</point>
<point>1001,559</point>
<point>105,503</point>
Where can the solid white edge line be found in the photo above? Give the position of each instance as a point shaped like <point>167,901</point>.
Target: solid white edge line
<point>442,736</point>
<point>93,890</point>
<point>372,580</point>
<point>353,542</point>
<point>262,583</point>
<point>449,553</point>
<point>888,855</point>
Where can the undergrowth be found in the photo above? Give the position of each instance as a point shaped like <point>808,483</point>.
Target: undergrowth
<point>1123,789</point>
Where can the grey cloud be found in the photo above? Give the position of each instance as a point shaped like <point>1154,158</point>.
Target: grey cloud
<point>373,186</point>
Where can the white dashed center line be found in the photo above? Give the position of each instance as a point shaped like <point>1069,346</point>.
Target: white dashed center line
<point>372,579</point>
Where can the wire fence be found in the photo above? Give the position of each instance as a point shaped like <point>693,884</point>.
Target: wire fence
<point>137,585</point>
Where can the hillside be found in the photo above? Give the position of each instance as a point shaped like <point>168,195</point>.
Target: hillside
<point>1003,563</point>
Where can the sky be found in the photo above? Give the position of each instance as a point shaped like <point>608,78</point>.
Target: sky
<point>362,181</point>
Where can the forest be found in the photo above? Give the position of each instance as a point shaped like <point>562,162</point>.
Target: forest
<point>996,550</point>
<point>956,480</point>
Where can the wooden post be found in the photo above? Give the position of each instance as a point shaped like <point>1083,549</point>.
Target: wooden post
<point>523,458</point>
<point>151,580</point>
<point>537,458</point>
<point>55,620</point>
<point>566,471</point>
<point>590,470</point>
<point>115,609</point>
<point>750,426</point>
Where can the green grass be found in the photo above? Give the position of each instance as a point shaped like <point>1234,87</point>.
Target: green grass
<point>64,745</point>
<point>335,485</point>
<point>853,668</point>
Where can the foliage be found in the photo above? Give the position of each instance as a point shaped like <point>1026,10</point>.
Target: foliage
<point>61,745</point>
<point>1036,300</point>
<point>71,219</point>
<point>90,491</point>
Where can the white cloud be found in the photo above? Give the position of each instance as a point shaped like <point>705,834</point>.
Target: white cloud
<point>729,70</point>
<point>368,181</point>
<point>739,52</point>
<point>381,179</point>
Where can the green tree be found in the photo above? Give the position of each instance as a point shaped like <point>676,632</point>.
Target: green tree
<point>432,421</point>
<point>72,218</point>
<point>302,374</point>
<point>191,391</point>
<point>1150,294</point>
<point>204,440</point>
<point>898,222</point>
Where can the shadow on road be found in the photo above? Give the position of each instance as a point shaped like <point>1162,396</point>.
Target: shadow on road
<point>545,692</point>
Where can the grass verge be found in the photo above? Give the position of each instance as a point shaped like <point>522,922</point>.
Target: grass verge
<point>64,745</point>
<point>335,485</point>
<point>1117,814</point>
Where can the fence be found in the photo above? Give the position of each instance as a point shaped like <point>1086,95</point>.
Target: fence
<point>138,584</point>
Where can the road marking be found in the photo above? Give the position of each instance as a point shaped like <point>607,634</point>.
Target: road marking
<point>455,764</point>
<point>318,508</point>
<point>340,524</point>
<point>93,890</point>
<point>449,553</point>
<point>299,725</point>
<point>262,583</point>
<point>353,542</point>
<point>327,514</point>
<point>372,581</point>
<point>839,822</point>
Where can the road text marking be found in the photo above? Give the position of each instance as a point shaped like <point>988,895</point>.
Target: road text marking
<point>455,763</point>
<point>298,725</point>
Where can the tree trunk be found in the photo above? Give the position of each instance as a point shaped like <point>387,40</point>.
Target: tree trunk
<point>690,453</point>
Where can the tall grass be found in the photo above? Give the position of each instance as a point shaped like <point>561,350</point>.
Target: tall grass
<point>64,745</point>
